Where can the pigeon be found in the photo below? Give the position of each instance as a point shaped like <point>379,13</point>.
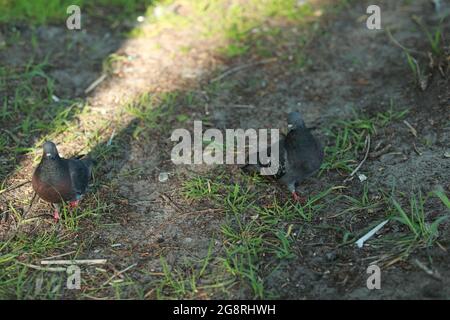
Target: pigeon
<point>300,155</point>
<point>57,179</point>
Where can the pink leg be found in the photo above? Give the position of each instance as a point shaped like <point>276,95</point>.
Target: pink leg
<point>56,215</point>
<point>298,198</point>
<point>74,204</point>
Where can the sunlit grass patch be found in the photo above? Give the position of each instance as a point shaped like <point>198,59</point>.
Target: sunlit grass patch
<point>37,11</point>
<point>52,11</point>
<point>149,109</point>
<point>239,25</point>
<point>17,278</point>
<point>29,110</point>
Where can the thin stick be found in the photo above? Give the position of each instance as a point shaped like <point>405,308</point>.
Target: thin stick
<point>249,106</point>
<point>380,152</point>
<point>87,261</point>
<point>60,255</point>
<point>241,67</point>
<point>411,128</point>
<point>391,37</point>
<point>367,143</point>
<point>171,202</point>
<point>32,266</point>
<point>203,211</point>
<point>416,150</point>
<point>427,270</point>
<point>95,83</point>
<point>118,274</point>
<point>15,187</point>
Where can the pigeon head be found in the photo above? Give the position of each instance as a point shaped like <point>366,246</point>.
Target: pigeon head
<point>295,121</point>
<point>50,151</point>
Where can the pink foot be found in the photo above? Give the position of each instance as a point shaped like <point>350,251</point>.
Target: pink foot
<point>73,204</point>
<point>299,199</point>
<point>56,215</point>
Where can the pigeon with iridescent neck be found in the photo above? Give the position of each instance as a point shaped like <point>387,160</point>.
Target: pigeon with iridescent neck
<point>300,155</point>
<point>57,180</point>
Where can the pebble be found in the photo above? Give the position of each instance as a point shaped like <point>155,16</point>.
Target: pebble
<point>163,177</point>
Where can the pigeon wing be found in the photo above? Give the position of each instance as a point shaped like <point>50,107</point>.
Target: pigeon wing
<point>304,154</point>
<point>79,173</point>
<point>260,164</point>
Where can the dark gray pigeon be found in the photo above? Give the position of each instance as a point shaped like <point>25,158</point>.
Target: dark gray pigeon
<point>300,154</point>
<point>57,179</point>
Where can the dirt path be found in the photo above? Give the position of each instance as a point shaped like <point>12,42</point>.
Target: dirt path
<point>343,67</point>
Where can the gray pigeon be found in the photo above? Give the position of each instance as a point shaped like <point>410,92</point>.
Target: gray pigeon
<point>300,154</point>
<point>57,179</point>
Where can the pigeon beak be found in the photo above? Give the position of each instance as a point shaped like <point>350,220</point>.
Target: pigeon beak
<point>48,154</point>
<point>289,127</point>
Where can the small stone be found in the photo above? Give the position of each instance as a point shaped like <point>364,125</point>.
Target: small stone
<point>163,177</point>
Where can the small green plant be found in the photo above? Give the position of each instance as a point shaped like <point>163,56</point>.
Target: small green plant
<point>283,250</point>
<point>349,138</point>
<point>199,188</point>
<point>415,219</point>
<point>149,109</point>
<point>184,282</point>
<point>415,67</point>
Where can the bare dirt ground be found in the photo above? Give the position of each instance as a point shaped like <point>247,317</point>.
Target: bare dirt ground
<point>140,220</point>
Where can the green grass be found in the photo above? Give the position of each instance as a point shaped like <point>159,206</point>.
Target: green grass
<point>419,219</point>
<point>261,229</point>
<point>256,236</point>
<point>415,68</point>
<point>233,22</point>
<point>71,218</point>
<point>150,109</point>
<point>348,138</point>
<point>53,11</point>
<point>190,280</point>
<point>28,111</point>
<point>38,11</point>
<point>420,228</point>
<point>21,254</point>
<point>200,188</point>
<point>435,38</point>
<point>17,279</point>
<point>364,204</point>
